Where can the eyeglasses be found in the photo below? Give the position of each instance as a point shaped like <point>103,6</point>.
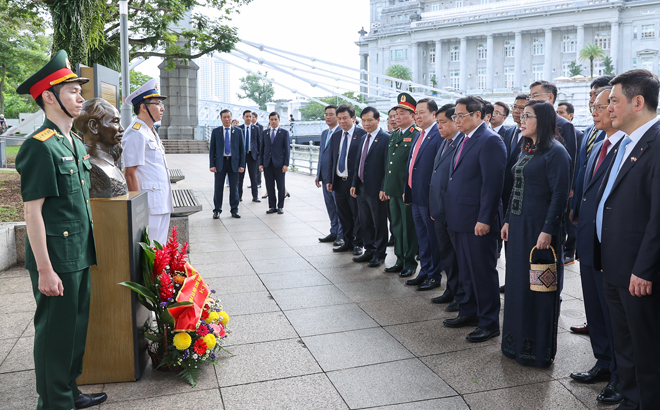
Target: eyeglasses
<point>517,107</point>
<point>461,116</point>
<point>498,114</point>
<point>159,103</point>
<point>532,96</point>
<point>597,108</point>
<point>525,117</point>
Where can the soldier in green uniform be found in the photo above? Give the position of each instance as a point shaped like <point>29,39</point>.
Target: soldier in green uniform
<point>403,227</point>
<point>59,248</point>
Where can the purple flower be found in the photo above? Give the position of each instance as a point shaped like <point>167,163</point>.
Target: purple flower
<point>170,300</point>
<point>212,356</point>
<point>185,354</point>
<point>163,304</point>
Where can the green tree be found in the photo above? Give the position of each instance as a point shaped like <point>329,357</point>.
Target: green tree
<point>591,52</point>
<point>257,89</point>
<point>137,79</point>
<point>172,29</point>
<point>399,71</point>
<point>434,81</point>
<point>609,66</point>
<point>574,69</point>
<point>315,111</point>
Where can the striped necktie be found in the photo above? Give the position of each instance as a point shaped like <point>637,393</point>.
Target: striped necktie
<point>591,140</point>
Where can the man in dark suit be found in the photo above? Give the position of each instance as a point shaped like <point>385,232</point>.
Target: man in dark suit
<point>628,246</point>
<point>437,197</point>
<point>416,192</point>
<point>227,159</point>
<point>324,171</point>
<point>474,216</point>
<point>344,146</point>
<point>275,148</point>
<point>369,191</point>
<point>252,143</point>
<point>595,304</point>
<point>500,114</point>
<point>255,121</point>
<point>488,112</point>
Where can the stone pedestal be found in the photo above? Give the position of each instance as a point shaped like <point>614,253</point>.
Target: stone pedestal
<point>180,86</point>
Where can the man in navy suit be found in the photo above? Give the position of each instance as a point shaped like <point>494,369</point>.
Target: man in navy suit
<point>500,114</point>
<point>425,145</point>
<point>227,159</point>
<point>324,171</point>
<point>628,246</point>
<point>255,122</point>
<point>437,197</point>
<point>595,304</point>
<point>368,188</point>
<point>344,146</point>
<point>252,143</point>
<point>275,148</point>
<point>474,216</point>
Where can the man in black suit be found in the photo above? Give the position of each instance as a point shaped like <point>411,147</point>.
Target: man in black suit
<point>252,143</point>
<point>255,121</point>
<point>500,114</point>
<point>324,172</point>
<point>437,197</point>
<point>488,112</point>
<point>275,148</point>
<point>227,159</point>
<point>344,146</point>
<point>628,246</point>
<point>368,189</point>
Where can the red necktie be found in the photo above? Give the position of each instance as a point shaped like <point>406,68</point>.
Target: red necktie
<point>414,157</point>
<point>461,150</point>
<point>603,154</point>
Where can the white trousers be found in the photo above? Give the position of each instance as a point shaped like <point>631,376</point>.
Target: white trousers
<point>158,228</point>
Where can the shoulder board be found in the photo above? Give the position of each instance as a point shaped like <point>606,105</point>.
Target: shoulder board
<point>417,128</point>
<point>44,135</point>
<point>137,126</point>
<point>76,135</point>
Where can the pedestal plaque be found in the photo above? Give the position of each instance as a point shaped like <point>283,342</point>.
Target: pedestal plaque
<point>115,350</point>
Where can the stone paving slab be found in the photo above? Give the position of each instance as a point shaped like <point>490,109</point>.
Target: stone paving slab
<point>313,330</point>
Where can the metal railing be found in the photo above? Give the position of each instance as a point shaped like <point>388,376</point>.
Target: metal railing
<point>304,157</point>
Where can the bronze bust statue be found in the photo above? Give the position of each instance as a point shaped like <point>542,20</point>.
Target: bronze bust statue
<point>99,122</point>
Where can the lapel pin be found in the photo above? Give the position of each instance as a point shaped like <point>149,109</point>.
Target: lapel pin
<point>633,159</point>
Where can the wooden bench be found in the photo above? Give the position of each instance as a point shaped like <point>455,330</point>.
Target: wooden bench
<point>176,175</point>
<point>185,202</point>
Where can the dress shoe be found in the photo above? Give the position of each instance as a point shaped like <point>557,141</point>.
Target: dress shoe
<point>569,260</point>
<point>596,374</point>
<point>407,272</point>
<point>481,335</point>
<point>259,186</point>
<point>271,211</point>
<point>84,401</point>
<point>461,321</point>
<point>452,307</point>
<point>357,250</point>
<point>611,394</point>
<point>394,268</point>
<point>288,195</point>
<point>249,187</point>
<point>329,238</point>
<point>390,242</point>
<point>280,211</point>
<point>376,262</point>
<point>580,329</point>
<point>416,281</point>
<point>235,215</point>
<point>502,289</point>
<point>429,284</point>
<point>216,215</point>
<point>265,196</point>
<point>343,248</point>
<point>338,242</point>
<point>366,257</point>
<point>446,297</point>
<point>240,200</point>
<point>256,200</point>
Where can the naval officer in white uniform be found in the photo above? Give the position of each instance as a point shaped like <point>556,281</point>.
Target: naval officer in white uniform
<point>144,158</point>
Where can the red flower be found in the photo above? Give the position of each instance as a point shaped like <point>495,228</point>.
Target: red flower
<point>202,330</point>
<point>166,287</point>
<point>205,312</point>
<point>200,346</point>
<point>160,262</point>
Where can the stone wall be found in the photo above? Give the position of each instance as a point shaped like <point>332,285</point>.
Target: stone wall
<point>180,86</point>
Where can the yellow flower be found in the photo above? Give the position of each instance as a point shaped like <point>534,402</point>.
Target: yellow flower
<point>225,318</point>
<point>210,341</point>
<point>213,316</point>
<point>182,341</point>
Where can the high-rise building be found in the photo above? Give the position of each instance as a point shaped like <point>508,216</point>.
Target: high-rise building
<point>213,79</point>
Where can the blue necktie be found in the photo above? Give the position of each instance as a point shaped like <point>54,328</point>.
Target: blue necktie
<point>342,156</point>
<point>608,188</point>
<point>272,136</point>
<point>247,139</point>
<point>227,142</point>
<point>327,137</point>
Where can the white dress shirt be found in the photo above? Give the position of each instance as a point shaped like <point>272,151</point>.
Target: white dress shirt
<point>635,136</point>
<point>348,148</point>
<point>616,137</point>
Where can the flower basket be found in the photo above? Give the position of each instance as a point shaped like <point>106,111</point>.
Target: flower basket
<point>187,328</point>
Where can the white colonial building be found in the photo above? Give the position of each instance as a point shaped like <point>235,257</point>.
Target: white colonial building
<point>501,46</point>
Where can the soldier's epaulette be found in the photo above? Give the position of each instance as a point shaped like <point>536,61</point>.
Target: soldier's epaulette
<point>417,128</point>
<point>76,135</point>
<point>136,126</point>
<point>44,135</point>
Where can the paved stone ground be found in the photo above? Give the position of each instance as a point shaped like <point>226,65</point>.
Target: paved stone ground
<point>313,330</point>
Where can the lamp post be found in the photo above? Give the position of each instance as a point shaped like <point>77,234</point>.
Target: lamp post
<point>126,117</point>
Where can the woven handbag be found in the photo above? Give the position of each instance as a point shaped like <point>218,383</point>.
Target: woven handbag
<point>543,276</point>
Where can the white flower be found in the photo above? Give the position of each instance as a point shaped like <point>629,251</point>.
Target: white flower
<point>195,356</point>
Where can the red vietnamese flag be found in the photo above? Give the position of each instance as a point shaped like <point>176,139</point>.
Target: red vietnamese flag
<point>195,290</point>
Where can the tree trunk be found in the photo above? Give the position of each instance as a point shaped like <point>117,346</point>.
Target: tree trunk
<point>591,62</point>
<point>2,88</point>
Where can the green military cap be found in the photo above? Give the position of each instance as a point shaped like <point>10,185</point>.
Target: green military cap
<point>406,101</point>
<point>57,71</point>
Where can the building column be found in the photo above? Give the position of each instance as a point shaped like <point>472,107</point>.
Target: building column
<point>364,65</point>
<point>614,46</point>
<point>580,41</point>
<point>438,62</point>
<point>517,53</point>
<point>463,58</point>
<point>415,62</point>
<point>490,62</point>
<point>547,51</point>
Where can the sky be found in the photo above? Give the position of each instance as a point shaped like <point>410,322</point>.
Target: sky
<point>321,29</point>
